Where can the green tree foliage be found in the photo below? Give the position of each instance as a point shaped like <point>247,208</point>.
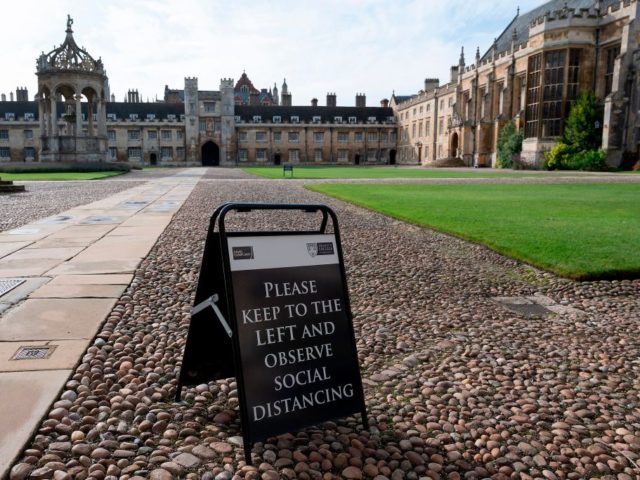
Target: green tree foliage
<point>509,144</point>
<point>582,138</point>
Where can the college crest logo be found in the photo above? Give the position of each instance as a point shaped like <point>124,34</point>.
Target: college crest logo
<point>312,248</point>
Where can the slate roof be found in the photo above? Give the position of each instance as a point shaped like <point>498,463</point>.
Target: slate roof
<point>522,21</point>
<point>121,109</point>
<point>306,113</point>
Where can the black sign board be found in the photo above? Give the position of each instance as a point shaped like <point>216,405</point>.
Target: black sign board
<point>280,310</point>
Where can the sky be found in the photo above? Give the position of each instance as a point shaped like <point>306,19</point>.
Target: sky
<point>373,47</point>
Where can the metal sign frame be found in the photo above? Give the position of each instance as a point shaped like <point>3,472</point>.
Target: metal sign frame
<point>215,290</point>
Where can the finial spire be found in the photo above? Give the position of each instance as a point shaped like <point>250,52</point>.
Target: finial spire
<point>477,55</point>
<point>69,23</point>
<point>461,61</point>
<point>518,11</point>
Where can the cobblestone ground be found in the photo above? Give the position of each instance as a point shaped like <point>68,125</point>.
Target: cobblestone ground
<point>43,199</point>
<point>456,385</point>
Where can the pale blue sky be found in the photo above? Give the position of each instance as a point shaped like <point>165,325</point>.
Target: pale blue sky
<point>346,46</point>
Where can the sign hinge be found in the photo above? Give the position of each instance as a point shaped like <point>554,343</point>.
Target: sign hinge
<point>211,302</point>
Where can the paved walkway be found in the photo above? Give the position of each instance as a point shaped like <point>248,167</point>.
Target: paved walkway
<point>67,272</point>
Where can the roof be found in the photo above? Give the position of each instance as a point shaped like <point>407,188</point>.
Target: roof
<point>402,98</point>
<point>306,113</point>
<point>121,109</point>
<point>521,22</point>
<point>18,108</point>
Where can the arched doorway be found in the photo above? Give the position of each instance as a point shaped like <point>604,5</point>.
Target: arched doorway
<point>357,159</point>
<point>277,160</point>
<point>210,154</point>
<point>392,157</point>
<point>153,159</point>
<point>454,145</point>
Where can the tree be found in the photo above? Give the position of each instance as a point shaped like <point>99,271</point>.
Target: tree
<point>583,127</point>
<point>509,144</point>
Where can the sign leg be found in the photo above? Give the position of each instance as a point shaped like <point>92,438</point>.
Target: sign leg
<point>247,452</point>
<point>365,419</point>
<point>178,392</point>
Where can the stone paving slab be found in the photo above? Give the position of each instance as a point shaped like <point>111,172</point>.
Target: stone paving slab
<point>40,319</point>
<point>26,397</point>
<point>88,267</point>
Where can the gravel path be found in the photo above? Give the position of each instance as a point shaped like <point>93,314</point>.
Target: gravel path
<point>456,385</point>
<point>43,199</point>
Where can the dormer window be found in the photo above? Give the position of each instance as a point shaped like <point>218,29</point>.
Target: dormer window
<point>295,119</point>
<point>171,117</point>
<point>29,116</point>
<point>111,116</point>
<point>277,119</point>
<point>371,119</point>
<point>238,119</point>
<point>151,116</point>
<point>133,116</point>
<point>337,119</point>
<point>182,118</point>
<point>353,119</point>
<point>391,119</point>
<point>257,119</point>
<point>9,116</point>
<point>317,119</point>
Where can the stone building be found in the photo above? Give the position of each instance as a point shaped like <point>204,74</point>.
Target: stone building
<point>531,74</point>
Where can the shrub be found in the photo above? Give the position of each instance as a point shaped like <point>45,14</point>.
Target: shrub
<point>565,157</point>
<point>583,127</point>
<point>509,144</point>
<point>558,157</point>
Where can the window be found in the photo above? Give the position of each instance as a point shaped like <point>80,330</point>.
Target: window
<point>371,155</point>
<point>295,119</point>
<point>414,111</point>
<point>316,119</point>
<point>166,152</point>
<point>29,153</point>
<point>337,119</point>
<point>343,137</point>
<point>384,138</point>
<point>552,93</point>
<point>111,134</point>
<point>277,119</point>
<point>133,116</point>
<point>427,128</point>
<point>203,125</point>
<point>440,125</point>
<point>180,135</point>
<point>4,134</point>
<point>533,96</point>
<point>428,107</point>
<point>134,152</point>
<point>420,109</point>
<point>133,134</point>
<point>5,153</point>
<point>151,135</point>
<point>420,129</point>
<point>277,137</point>
<point>209,107</point>
<point>357,137</point>
<point>180,153</point>
<point>318,137</point>
<point>441,104</point>
<point>112,117</point>
<point>573,75</point>
<point>166,134</point>
<point>343,155</point>
<point>28,134</point>
<point>151,116</point>
<point>413,129</point>
<point>243,136</point>
<point>450,101</point>
<point>261,137</point>
<point>171,117</point>
<point>294,155</point>
<point>257,119</point>
<point>29,116</point>
<point>216,125</point>
<point>261,155</point>
<point>372,137</point>
<point>242,155</point>
<point>317,155</point>
<point>393,137</point>
<point>353,119</point>
<point>610,58</point>
<point>238,118</point>
<point>294,137</point>
<point>113,153</point>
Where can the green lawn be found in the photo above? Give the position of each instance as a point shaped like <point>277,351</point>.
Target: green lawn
<point>309,172</point>
<point>58,176</point>
<point>582,231</point>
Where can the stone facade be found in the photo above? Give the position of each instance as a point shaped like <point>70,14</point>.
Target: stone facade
<point>530,75</point>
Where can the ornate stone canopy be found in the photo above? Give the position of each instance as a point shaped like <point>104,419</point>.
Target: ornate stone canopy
<point>69,57</point>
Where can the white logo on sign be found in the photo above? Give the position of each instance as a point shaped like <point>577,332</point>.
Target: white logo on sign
<point>312,248</point>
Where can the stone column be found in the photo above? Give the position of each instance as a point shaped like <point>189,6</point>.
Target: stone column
<point>53,118</point>
<point>102,125</point>
<point>90,118</point>
<point>78,115</point>
<point>41,111</point>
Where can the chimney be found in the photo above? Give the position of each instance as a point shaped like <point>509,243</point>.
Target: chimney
<point>331,100</point>
<point>431,84</point>
<point>11,96</point>
<point>361,100</point>
<point>384,103</point>
<point>113,97</point>
<point>454,74</point>
<point>314,102</point>
<point>286,99</point>
<point>3,98</point>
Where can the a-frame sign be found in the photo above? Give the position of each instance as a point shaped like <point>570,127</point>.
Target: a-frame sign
<point>272,309</point>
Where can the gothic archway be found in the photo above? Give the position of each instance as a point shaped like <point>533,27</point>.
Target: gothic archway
<point>210,154</point>
<point>392,157</point>
<point>454,145</point>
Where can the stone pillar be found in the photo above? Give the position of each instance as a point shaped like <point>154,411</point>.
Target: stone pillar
<point>102,125</point>
<point>41,111</point>
<point>90,118</point>
<point>53,122</point>
<point>78,115</point>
